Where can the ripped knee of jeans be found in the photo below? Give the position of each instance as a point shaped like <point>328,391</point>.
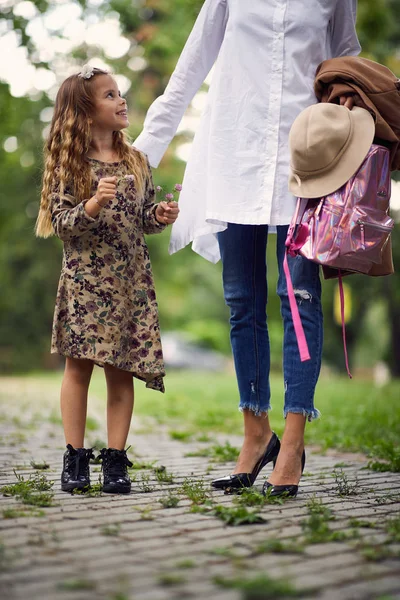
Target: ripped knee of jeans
<point>303,295</point>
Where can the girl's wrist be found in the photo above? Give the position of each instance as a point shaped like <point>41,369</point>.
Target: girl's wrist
<point>97,202</point>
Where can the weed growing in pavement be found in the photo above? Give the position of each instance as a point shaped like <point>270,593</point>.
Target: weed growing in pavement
<point>223,551</point>
<point>73,585</point>
<point>341,465</point>
<point>39,466</point>
<point>235,516</point>
<point>194,490</point>
<point>375,552</point>
<point>362,523</point>
<point>13,513</point>
<point>316,527</point>
<point>278,547</point>
<point>146,514</point>
<point>163,476</point>
<point>92,491</point>
<point>186,563</point>
<point>169,501</point>
<point>170,579</point>
<point>343,486</point>
<point>138,465</point>
<point>34,491</point>
<point>392,527</point>
<point>260,587</point>
<point>389,498</point>
<point>112,530</point>
<point>250,497</point>
<point>145,485</point>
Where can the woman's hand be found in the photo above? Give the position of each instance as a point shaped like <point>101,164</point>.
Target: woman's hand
<point>167,212</point>
<point>347,100</point>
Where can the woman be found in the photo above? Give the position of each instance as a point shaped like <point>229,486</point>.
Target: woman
<point>235,193</point>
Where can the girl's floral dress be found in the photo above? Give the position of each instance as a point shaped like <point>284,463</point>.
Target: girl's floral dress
<point>106,309</point>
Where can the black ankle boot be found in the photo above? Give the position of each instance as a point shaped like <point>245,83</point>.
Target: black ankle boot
<point>75,474</point>
<point>115,474</point>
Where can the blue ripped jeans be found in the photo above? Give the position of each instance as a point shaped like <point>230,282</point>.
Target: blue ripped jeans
<point>243,252</point>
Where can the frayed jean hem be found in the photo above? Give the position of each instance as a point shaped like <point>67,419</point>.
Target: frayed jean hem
<point>258,412</point>
<point>310,414</point>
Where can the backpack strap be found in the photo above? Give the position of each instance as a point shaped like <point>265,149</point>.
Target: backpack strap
<point>292,249</point>
<point>298,327</point>
<point>341,293</point>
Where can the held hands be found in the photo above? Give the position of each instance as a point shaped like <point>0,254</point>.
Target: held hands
<point>167,212</point>
<point>105,190</point>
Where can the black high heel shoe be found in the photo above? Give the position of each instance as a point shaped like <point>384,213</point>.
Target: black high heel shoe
<point>245,480</point>
<point>289,491</point>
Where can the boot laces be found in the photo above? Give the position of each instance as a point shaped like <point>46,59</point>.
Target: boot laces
<point>78,460</point>
<point>115,462</point>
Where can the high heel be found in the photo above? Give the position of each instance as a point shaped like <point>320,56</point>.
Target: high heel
<point>245,480</point>
<point>288,491</point>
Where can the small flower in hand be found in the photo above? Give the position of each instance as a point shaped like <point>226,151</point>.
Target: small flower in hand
<point>167,211</point>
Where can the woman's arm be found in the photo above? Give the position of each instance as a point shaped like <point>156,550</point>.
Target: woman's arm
<point>198,56</point>
<point>344,40</point>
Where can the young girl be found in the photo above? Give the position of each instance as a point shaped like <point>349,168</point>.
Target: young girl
<point>98,198</point>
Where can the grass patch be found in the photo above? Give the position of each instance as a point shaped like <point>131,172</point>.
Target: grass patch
<point>237,515</point>
<point>34,491</point>
<point>170,579</point>
<point>92,491</point>
<point>345,487</point>
<point>186,563</point>
<point>194,491</point>
<point>392,527</point>
<point>112,530</point>
<point>169,501</point>
<point>316,528</point>
<point>40,466</point>
<point>181,436</point>
<point>163,476</point>
<point>74,585</point>
<point>275,546</point>
<point>13,513</point>
<point>144,484</point>
<point>260,587</point>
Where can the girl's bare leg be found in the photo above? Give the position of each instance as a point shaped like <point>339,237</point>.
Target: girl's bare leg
<point>119,405</point>
<point>74,393</point>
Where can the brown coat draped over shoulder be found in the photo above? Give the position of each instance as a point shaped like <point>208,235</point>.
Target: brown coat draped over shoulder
<point>379,90</point>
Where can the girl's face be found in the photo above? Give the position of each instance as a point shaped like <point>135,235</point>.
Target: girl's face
<point>110,111</point>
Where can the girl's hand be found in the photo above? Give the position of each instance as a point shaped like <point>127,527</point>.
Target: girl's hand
<point>106,190</point>
<point>167,212</point>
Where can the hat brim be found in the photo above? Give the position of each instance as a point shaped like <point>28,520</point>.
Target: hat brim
<point>322,184</point>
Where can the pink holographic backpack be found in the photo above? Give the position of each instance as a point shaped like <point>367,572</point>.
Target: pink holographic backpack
<point>346,230</point>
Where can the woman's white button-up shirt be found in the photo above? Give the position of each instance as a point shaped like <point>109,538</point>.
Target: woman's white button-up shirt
<point>266,54</point>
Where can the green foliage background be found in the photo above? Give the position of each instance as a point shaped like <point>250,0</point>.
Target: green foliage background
<point>189,288</point>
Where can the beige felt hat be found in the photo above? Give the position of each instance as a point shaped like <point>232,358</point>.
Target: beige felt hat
<point>328,143</point>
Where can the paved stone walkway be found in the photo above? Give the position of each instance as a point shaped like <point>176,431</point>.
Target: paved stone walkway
<point>133,548</point>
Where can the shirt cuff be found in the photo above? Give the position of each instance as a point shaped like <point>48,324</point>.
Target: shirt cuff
<point>151,146</point>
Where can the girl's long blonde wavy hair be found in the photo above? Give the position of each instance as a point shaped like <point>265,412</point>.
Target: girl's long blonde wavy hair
<point>69,142</point>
